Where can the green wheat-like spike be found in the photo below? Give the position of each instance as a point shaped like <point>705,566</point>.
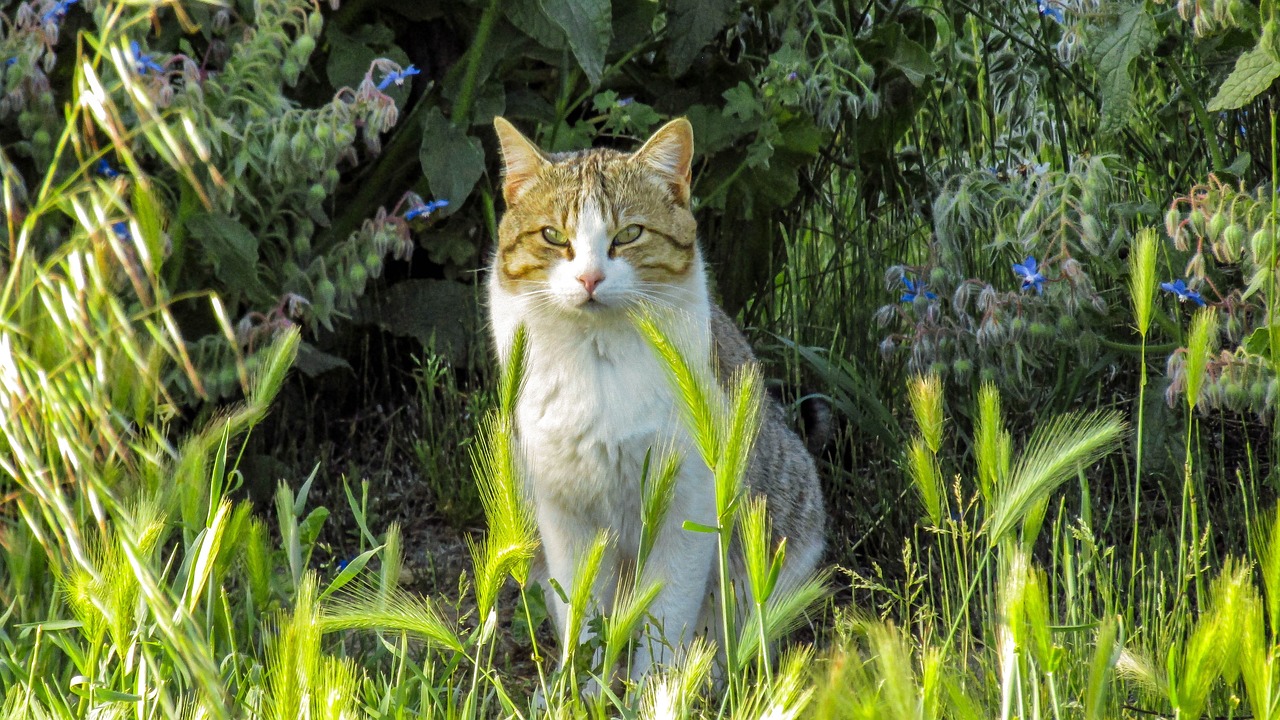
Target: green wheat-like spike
<point>783,613</point>
<point>992,442</point>
<point>657,494</point>
<point>696,391</point>
<point>1106,653</point>
<point>513,371</point>
<point>1200,345</point>
<point>1053,455</point>
<point>739,437</point>
<point>925,394</point>
<point>367,607</point>
<point>1256,659</point>
<point>925,477</point>
<point>1269,568</point>
<point>585,572</point>
<point>1142,278</point>
<point>392,560</point>
<point>629,611</point>
<point>894,669</point>
<point>756,533</point>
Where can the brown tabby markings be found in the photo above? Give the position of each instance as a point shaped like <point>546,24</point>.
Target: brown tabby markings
<point>626,192</point>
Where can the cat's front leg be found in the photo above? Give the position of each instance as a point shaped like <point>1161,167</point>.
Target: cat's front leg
<point>565,537</point>
<point>682,560</point>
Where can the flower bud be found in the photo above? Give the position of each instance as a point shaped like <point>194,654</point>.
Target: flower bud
<point>1217,223</point>
<point>358,277</point>
<point>1260,245</point>
<point>1197,221</point>
<point>303,47</point>
<point>962,367</point>
<point>301,245</point>
<point>1067,324</point>
<point>316,194</point>
<point>1232,242</point>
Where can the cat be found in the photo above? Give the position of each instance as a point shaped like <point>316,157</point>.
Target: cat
<point>586,238</point>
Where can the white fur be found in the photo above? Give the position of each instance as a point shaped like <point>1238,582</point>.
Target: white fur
<point>595,400</point>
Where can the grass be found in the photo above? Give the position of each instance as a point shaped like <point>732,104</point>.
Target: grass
<point>997,557</point>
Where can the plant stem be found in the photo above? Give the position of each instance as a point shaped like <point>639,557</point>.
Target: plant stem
<point>1202,116</point>
<point>1137,469</point>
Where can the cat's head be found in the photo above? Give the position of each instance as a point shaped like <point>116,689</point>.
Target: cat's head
<point>599,230</point>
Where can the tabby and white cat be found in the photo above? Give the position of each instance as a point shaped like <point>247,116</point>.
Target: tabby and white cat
<point>587,237</point>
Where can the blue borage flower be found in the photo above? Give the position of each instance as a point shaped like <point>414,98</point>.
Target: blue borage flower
<point>58,11</point>
<point>626,101</point>
<point>1182,292</point>
<point>1030,276</point>
<point>426,209</point>
<point>915,289</point>
<point>104,169</point>
<point>11,61</point>
<point>121,229</point>
<point>398,77</point>
<point>143,60</point>
<point>1049,11</point>
<point>793,76</point>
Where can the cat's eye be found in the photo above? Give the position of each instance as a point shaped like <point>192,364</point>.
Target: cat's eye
<point>629,234</point>
<point>554,236</point>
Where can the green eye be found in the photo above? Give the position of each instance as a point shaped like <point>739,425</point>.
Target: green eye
<point>629,234</point>
<point>554,236</point>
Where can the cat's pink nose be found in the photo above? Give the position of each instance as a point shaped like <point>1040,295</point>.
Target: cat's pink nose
<point>590,280</point>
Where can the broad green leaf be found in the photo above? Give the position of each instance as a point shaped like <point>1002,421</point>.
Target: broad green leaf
<point>588,26</point>
<point>913,60</point>
<point>1259,342</point>
<point>351,55</point>
<point>230,249</point>
<point>451,160</point>
<point>1133,35</point>
<point>533,21</point>
<point>691,24</point>
<point>1253,74</point>
<point>439,312</point>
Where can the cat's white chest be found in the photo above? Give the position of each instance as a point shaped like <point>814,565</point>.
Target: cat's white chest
<point>591,408</point>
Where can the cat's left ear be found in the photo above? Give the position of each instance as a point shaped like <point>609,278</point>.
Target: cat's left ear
<point>670,153</point>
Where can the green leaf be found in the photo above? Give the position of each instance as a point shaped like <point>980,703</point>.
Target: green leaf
<point>533,21</point>
<point>913,60</point>
<point>438,313</point>
<point>231,250</point>
<point>691,24</point>
<point>351,55</point>
<point>588,25</point>
<point>349,572</point>
<point>452,161</point>
<point>1133,35</point>
<point>1259,342</point>
<point>1253,74</point>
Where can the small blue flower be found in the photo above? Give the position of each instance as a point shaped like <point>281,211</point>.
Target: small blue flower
<point>398,77</point>
<point>915,289</point>
<point>426,209</point>
<point>342,565</point>
<point>793,76</point>
<point>1030,277</point>
<point>143,60</point>
<point>104,169</point>
<point>1049,11</point>
<point>121,229</point>
<point>1180,289</point>
<point>626,101</point>
<point>58,11</point>
<point>11,61</point>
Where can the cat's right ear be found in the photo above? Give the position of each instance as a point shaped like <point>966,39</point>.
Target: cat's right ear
<point>521,159</point>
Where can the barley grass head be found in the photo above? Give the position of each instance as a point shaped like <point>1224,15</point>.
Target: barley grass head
<point>1142,278</point>
<point>1055,452</point>
<point>1201,344</point>
<point>696,390</point>
<point>923,469</point>
<point>994,444</point>
<point>925,394</point>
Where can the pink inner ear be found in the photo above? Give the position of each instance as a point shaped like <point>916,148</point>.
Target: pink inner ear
<point>520,157</point>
